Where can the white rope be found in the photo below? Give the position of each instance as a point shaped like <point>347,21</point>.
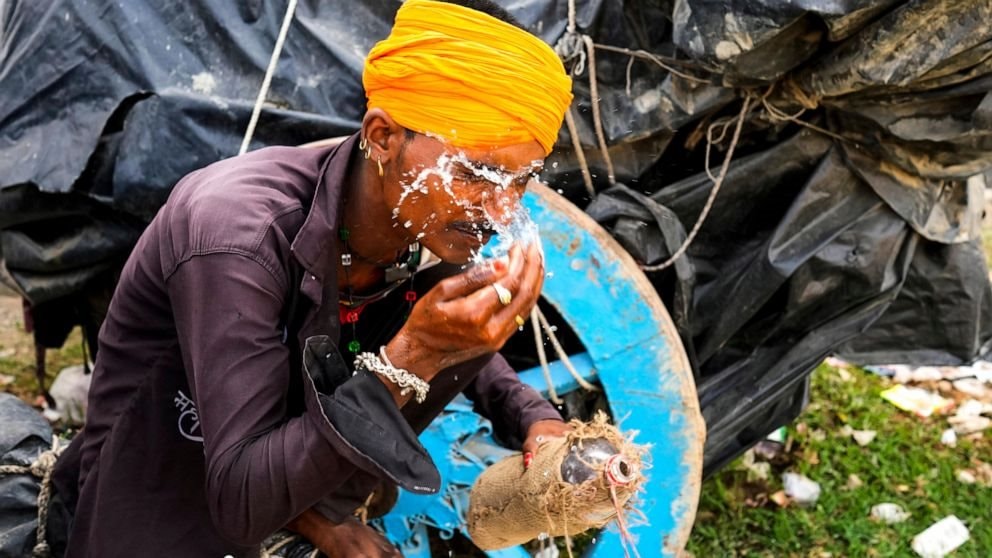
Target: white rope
<point>543,358</point>
<point>581,48</point>
<point>560,351</point>
<point>597,119</point>
<point>573,132</point>
<point>717,183</point>
<point>267,80</point>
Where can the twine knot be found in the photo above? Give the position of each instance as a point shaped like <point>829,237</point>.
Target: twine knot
<point>45,462</point>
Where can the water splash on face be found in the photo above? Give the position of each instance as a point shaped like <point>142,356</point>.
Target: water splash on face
<point>518,229</point>
<point>511,222</point>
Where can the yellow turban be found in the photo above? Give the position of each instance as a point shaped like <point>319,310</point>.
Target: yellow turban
<point>467,77</point>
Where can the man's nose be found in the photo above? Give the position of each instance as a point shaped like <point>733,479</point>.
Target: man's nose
<point>502,207</point>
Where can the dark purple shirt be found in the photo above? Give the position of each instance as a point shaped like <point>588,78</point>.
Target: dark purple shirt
<point>211,425</point>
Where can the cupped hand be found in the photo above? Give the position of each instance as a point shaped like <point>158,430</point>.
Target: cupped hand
<point>462,317</point>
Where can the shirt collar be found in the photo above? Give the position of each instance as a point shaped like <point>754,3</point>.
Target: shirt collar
<point>315,244</point>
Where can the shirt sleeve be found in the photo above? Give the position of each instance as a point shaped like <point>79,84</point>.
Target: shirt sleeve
<point>512,406</point>
<point>263,467</point>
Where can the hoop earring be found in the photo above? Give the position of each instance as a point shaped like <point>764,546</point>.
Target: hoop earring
<point>363,143</point>
<point>368,152</point>
<point>379,161</point>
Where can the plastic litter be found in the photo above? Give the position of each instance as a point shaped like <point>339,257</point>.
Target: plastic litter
<point>941,538</point>
<point>965,476</point>
<point>889,513</point>
<point>970,408</point>
<point>70,391</point>
<point>980,473</point>
<point>949,438</point>
<point>861,437</point>
<point>918,401</point>
<point>864,437</point>
<point>969,424</point>
<point>801,489</point>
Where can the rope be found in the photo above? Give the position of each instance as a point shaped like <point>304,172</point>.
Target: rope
<point>560,351</point>
<point>717,182</point>
<point>626,539</point>
<point>267,80</point>
<point>777,114</point>
<point>579,47</point>
<point>596,115</point>
<point>42,468</point>
<point>579,153</point>
<point>664,62</point>
<point>543,358</point>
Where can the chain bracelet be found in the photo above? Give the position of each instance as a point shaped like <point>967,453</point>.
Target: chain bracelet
<point>406,380</point>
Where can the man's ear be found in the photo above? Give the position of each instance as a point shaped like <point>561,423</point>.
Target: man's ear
<point>384,135</point>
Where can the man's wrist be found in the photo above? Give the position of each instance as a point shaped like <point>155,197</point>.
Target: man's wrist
<point>405,353</point>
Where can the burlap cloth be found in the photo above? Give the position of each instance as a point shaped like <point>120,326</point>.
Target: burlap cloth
<point>510,506</point>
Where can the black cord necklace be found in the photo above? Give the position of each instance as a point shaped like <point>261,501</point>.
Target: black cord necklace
<point>350,308</point>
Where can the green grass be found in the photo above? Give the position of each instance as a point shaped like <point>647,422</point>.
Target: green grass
<point>905,464</point>
<point>21,364</point>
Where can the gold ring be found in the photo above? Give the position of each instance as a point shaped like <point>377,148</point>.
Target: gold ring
<point>519,320</point>
<point>504,294</point>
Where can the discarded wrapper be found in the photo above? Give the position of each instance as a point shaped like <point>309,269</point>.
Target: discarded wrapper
<point>949,438</point>
<point>889,513</point>
<point>918,401</point>
<point>941,538</point>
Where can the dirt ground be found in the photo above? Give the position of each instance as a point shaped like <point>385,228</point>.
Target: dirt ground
<point>11,323</point>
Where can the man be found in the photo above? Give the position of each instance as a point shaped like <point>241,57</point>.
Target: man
<point>222,409</point>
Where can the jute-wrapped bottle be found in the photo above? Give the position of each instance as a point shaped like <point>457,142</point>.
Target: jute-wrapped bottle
<point>511,506</point>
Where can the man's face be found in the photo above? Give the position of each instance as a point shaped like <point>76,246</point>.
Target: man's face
<point>452,199</point>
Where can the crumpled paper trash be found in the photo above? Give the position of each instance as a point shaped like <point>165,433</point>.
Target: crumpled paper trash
<point>801,489</point>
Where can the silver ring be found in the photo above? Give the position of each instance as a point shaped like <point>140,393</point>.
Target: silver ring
<point>504,294</point>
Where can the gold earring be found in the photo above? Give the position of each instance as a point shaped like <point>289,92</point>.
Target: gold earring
<point>364,143</point>
<point>368,152</point>
<point>379,160</point>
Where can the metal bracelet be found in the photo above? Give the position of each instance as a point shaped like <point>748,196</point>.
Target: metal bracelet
<point>406,380</point>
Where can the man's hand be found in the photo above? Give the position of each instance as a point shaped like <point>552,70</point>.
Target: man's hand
<point>350,539</point>
<point>539,433</point>
<point>462,317</point>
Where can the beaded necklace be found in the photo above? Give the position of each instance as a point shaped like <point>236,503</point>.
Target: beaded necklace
<point>350,308</point>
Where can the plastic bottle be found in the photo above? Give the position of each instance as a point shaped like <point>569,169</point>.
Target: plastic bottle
<point>587,458</point>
